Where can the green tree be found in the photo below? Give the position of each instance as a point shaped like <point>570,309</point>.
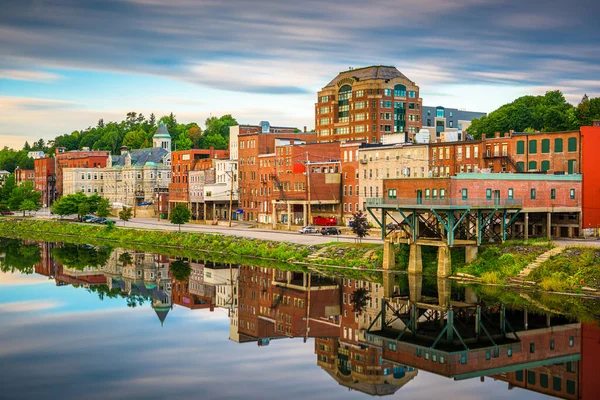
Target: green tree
<point>180,270</point>
<point>183,142</point>
<point>360,225</point>
<point>18,256</point>
<point>125,214</point>
<point>103,210</point>
<point>83,209</point>
<point>28,205</point>
<point>180,215</point>
<point>134,139</point>
<point>7,188</point>
<point>194,133</point>
<point>80,256</point>
<point>23,192</point>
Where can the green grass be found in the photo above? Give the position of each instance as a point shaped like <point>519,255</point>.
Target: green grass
<point>574,267</point>
<point>496,263</point>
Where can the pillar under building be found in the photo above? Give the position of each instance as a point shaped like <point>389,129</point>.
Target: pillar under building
<point>471,253</point>
<point>389,255</point>
<point>415,261</point>
<point>444,262</point>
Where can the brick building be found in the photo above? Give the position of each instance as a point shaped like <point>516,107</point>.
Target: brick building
<point>45,179</point>
<point>350,180</point>
<point>77,159</point>
<point>23,175</point>
<point>551,204</point>
<point>366,103</point>
<point>590,143</point>
<point>182,162</point>
<point>252,142</point>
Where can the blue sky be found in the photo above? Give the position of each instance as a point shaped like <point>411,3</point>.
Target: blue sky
<point>67,63</point>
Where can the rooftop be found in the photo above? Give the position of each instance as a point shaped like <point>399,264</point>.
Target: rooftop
<point>141,157</point>
<point>374,72</point>
<point>161,132</point>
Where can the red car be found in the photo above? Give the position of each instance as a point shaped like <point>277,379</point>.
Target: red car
<point>7,213</point>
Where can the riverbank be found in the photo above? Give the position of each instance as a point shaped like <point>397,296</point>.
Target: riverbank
<point>350,255</point>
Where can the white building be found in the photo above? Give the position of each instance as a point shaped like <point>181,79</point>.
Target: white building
<point>224,190</point>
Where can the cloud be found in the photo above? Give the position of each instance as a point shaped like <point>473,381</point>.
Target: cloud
<point>30,306</point>
<point>28,75</point>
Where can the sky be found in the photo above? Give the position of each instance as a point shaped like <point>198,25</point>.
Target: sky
<point>65,64</point>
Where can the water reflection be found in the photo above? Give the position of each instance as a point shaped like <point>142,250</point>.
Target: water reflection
<point>408,325</point>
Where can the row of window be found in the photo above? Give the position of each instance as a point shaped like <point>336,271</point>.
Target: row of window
<point>511,193</point>
<point>558,146</point>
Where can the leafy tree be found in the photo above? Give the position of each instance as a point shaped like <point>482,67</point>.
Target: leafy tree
<point>7,188</point>
<point>28,205</point>
<point>183,142</point>
<point>134,139</point>
<point>103,210</point>
<point>79,256</point>
<point>27,146</point>
<point>23,192</point>
<point>180,270</point>
<point>359,300</point>
<point>125,258</point>
<point>180,215</point>
<point>18,256</point>
<point>83,209</point>
<point>125,214</point>
<point>360,225</point>
<point>194,133</point>
<point>77,203</point>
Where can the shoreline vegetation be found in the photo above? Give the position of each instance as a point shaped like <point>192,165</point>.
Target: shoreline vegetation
<point>575,268</point>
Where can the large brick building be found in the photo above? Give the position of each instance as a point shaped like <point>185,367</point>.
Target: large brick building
<point>182,162</point>
<point>45,179</point>
<point>77,159</point>
<point>366,103</point>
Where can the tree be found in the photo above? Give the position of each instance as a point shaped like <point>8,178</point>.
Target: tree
<point>180,215</point>
<point>7,188</point>
<point>22,193</point>
<point>103,210</point>
<point>125,214</point>
<point>359,300</point>
<point>360,225</point>
<point>194,133</point>
<point>180,270</point>
<point>83,209</point>
<point>28,205</point>
<point>183,142</point>
<point>26,146</point>
<point>18,256</point>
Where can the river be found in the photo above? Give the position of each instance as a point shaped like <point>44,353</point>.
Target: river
<point>93,322</point>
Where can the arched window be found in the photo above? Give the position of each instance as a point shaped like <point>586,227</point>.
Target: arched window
<point>399,91</point>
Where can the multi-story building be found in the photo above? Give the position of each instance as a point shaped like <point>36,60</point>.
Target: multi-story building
<point>379,162</point>
<point>77,159</point>
<point>350,180</point>
<point>253,143</point>
<point>182,163</point>
<point>36,154</point>
<point>222,192</point>
<point>447,119</point>
<point>45,176</point>
<point>22,175</point>
<point>197,181</point>
<point>365,103</point>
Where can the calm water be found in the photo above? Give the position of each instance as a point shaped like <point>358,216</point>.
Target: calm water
<point>80,321</point>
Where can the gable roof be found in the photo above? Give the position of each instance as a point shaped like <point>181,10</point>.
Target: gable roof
<point>141,157</point>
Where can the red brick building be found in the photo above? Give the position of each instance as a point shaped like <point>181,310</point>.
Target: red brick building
<point>590,143</point>
<point>189,160</point>
<point>256,178</point>
<point>45,179</point>
<point>77,159</point>
<point>365,103</point>
<point>22,175</point>
<point>552,204</point>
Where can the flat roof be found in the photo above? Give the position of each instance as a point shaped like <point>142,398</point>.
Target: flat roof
<point>517,177</point>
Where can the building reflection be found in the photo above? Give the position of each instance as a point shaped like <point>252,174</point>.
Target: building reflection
<point>409,324</point>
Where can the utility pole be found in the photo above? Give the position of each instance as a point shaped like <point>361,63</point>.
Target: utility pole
<point>230,195</point>
<point>309,222</point>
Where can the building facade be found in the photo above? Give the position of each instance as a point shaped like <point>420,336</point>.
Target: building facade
<point>45,179</point>
<point>365,103</point>
<point>447,119</point>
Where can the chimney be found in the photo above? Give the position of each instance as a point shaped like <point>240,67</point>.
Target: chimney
<point>596,122</point>
<point>497,134</point>
<point>124,149</point>
<point>305,128</point>
<point>483,136</point>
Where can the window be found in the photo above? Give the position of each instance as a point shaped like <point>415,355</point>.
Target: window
<point>532,165</point>
<point>521,147</point>
<point>442,194</point>
<point>520,166</point>
<point>532,146</point>
<point>519,376</point>
<point>552,194</point>
<point>392,193</point>
<point>551,344</point>
<point>463,358</point>
<point>392,346</point>
<point>511,193</point>
<point>532,345</point>
<point>419,352</point>
<point>570,386</point>
<point>557,383</point>
<point>427,193</point>
<point>571,341</point>
<point>572,144</point>
<point>465,194</point>
<point>387,92</point>
<point>572,194</point>
<point>545,165</point>
<point>531,377</point>
<point>558,145</point>
<point>488,194</point>
<point>544,380</point>
<point>532,196</point>
<point>545,146</point>
<point>488,354</point>
<point>400,91</point>
<point>509,352</point>
<point>439,112</point>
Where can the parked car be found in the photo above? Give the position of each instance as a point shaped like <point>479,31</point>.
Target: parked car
<point>7,213</point>
<point>88,218</point>
<point>100,220</point>
<point>146,203</point>
<point>330,230</point>
<point>308,229</point>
